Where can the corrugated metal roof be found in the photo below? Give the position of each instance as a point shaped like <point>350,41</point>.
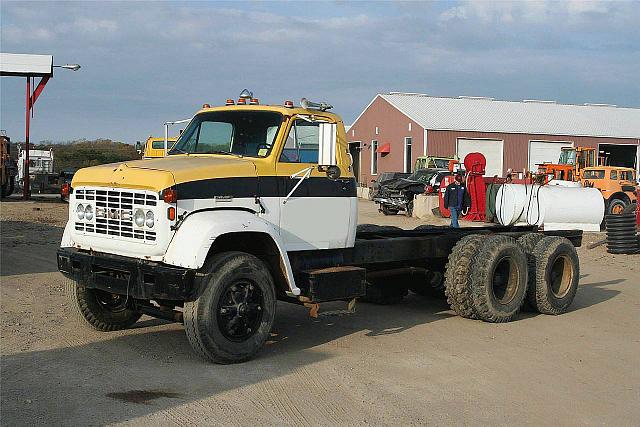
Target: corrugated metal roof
<point>534,117</point>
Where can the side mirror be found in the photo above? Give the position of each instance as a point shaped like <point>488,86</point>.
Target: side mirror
<point>327,145</point>
<point>138,147</point>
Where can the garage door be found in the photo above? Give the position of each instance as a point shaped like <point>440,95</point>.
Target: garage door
<point>545,152</point>
<point>490,148</point>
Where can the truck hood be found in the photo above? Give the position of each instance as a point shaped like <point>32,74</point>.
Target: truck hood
<point>158,174</point>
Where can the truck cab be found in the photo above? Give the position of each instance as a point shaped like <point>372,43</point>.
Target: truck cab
<point>617,185</point>
<point>154,147</point>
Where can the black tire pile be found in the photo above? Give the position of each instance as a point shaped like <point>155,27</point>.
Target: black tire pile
<point>622,234</point>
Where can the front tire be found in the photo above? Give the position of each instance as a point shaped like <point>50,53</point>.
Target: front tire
<point>388,211</point>
<point>616,206</point>
<point>232,318</point>
<point>102,310</point>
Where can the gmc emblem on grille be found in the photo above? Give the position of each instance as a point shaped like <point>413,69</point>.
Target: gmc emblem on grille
<point>114,214</point>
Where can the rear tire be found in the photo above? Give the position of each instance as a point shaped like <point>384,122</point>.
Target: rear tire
<point>553,280</point>
<point>232,318</point>
<point>499,281</point>
<point>102,310</point>
<point>458,273</point>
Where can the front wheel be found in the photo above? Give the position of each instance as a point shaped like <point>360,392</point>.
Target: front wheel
<point>102,310</point>
<point>388,211</point>
<point>232,318</point>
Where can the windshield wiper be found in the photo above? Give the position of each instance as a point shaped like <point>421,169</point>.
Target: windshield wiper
<point>229,153</point>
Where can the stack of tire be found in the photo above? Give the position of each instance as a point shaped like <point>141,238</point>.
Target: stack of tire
<point>622,234</point>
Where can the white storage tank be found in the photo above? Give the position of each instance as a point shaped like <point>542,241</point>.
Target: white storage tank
<point>552,207</point>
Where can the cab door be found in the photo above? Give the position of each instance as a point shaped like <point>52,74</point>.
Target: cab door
<point>314,210</point>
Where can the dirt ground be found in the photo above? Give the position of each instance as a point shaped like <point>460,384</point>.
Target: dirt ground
<point>411,363</point>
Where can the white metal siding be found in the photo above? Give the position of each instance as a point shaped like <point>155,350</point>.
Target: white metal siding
<point>491,149</point>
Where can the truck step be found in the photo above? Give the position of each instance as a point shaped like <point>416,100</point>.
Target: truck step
<point>333,283</point>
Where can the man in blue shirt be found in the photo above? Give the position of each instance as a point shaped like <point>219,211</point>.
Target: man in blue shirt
<point>456,199</point>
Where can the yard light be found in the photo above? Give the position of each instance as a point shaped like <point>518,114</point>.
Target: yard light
<point>72,67</point>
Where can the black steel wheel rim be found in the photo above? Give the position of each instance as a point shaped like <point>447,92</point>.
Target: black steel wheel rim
<point>111,302</point>
<point>239,310</point>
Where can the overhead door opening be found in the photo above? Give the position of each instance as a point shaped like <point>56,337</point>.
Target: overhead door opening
<point>618,155</point>
<point>545,152</point>
<point>490,148</point>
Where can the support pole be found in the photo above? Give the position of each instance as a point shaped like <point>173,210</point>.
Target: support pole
<point>166,138</point>
<point>25,182</point>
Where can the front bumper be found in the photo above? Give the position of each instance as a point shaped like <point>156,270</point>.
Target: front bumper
<point>137,278</point>
<point>398,202</point>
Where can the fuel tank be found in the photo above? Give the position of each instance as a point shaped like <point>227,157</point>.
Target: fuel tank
<point>551,207</point>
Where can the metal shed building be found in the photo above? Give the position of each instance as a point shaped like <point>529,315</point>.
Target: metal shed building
<point>395,128</point>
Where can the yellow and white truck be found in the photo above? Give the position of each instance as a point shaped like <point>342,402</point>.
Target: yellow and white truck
<point>257,203</point>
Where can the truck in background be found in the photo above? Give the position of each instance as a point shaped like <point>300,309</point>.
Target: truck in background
<point>154,147</point>
<point>42,179</point>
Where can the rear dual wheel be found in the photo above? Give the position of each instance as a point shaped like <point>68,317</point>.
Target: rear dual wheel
<point>554,272</point>
<point>489,277</point>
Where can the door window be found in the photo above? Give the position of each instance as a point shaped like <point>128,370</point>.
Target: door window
<point>614,174</point>
<point>302,143</point>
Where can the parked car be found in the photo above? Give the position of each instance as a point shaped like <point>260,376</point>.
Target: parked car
<point>384,178</point>
<point>397,195</point>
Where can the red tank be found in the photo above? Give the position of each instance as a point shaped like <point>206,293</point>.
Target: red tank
<point>474,164</point>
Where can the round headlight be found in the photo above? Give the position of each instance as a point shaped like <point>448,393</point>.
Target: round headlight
<point>88,212</point>
<point>138,217</point>
<point>80,212</point>
<point>149,219</point>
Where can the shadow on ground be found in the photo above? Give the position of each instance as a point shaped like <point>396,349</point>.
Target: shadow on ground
<point>156,369</point>
<point>22,253</point>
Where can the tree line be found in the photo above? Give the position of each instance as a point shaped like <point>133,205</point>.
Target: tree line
<point>83,153</point>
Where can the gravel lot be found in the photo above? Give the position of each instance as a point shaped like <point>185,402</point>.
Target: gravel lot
<point>412,363</point>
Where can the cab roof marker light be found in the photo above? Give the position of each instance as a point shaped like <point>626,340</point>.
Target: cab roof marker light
<point>288,104</point>
<point>230,102</point>
<point>254,101</point>
<point>242,101</point>
<point>206,106</point>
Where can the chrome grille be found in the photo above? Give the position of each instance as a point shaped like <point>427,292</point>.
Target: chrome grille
<point>119,207</point>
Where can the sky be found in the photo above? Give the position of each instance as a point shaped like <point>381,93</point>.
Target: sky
<point>144,63</point>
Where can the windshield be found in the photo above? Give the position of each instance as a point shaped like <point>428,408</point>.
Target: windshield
<point>441,163</point>
<point>159,144</point>
<point>567,157</point>
<point>247,133</point>
<point>421,175</point>
<point>626,175</point>
<point>593,174</point>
